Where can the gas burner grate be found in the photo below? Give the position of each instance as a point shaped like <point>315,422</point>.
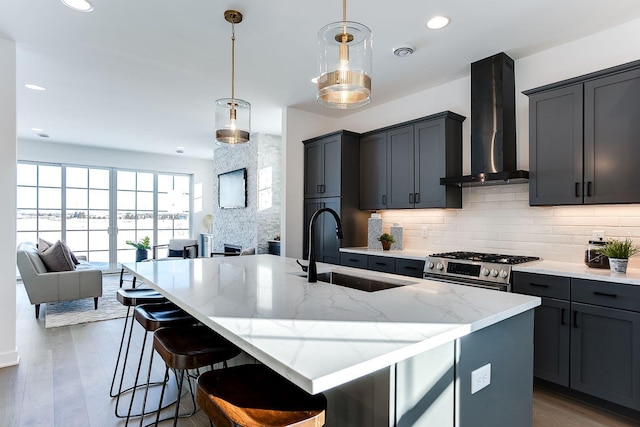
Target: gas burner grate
<point>482,257</point>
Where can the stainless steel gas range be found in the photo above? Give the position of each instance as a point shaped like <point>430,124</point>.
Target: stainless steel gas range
<point>491,271</point>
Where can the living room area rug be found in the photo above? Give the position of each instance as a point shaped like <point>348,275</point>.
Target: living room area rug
<point>82,311</point>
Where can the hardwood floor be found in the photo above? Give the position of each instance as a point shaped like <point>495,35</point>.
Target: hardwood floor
<point>64,376</point>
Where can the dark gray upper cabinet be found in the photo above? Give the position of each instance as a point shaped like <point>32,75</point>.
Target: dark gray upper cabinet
<point>332,176</point>
<point>322,166</point>
<point>401,165</point>
<point>373,171</point>
<point>583,139</point>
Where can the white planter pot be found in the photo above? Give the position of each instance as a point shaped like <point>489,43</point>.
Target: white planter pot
<point>618,265</point>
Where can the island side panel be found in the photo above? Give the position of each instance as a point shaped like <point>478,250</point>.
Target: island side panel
<point>507,400</point>
<point>425,388</point>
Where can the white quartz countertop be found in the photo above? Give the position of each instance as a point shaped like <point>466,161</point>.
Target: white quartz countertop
<point>579,271</point>
<point>320,335</point>
<point>416,254</point>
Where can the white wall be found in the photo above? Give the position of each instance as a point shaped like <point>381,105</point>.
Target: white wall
<point>202,170</point>
<point>566,229</point>
<point>8,349</point>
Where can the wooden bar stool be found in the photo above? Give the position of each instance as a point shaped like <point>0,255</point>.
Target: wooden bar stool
<point>188,348</point>
<point>254,395</point>
<point>130,298</point>
<point>153,317</point>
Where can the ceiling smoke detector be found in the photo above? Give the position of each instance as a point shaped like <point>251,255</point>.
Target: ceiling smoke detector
<point>403,51</point>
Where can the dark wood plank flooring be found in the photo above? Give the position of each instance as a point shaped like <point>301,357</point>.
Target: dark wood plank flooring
<point>64,376</point>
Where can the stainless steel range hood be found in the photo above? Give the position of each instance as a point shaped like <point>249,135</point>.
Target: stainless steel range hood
<point>493,125</point>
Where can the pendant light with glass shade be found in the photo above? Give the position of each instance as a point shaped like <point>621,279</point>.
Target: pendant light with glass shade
<point>344,60</point>
<point>233,115</point>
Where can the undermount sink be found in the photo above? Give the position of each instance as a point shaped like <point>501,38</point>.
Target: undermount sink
<point>361,283</point>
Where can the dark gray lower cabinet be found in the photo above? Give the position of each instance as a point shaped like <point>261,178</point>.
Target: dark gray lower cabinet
<point>551,342</point>
<point>590,341</point>
<point>327,245</point>
<point>402,266</point>
<point>605,353</point>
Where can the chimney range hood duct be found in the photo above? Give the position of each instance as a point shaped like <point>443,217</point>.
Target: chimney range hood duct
<point>493,125</point>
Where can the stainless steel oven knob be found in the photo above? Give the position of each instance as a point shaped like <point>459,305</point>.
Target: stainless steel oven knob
<point>503,274</point>
<point>430,265</point>
<point>494,272</point>
<point>485,271</point>
<point>439,266</point>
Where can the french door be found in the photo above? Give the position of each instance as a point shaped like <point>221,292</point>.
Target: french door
<point>96,210</point>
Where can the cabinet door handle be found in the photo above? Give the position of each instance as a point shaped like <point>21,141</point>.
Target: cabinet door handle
<point>410,197</point>
<point>539,285</point>
<point>575,318</point>
<point>318,189</point>
<point>417,197</point>
<point>577,189</point>
<point>384,200</point>
<point>354,260</point>
<point>589,185</point>
<point>604,294</point>
<point>408,267</point>
<point>562,313</point>
<point>381,263</point>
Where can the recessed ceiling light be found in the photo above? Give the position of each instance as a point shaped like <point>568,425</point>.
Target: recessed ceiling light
<point>179,150</point>
<point>37,130</point>
<point>43,135</point>
<point>314,80</point>
<point>438,22</point>
<point>33,87</point>
<point>79,5</point>
<point>403,51</point>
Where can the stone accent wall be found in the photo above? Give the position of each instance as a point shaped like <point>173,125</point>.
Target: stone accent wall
<point>254,225</point>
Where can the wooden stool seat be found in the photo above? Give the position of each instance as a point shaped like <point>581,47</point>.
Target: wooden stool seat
<point>156,316</point>
<point>254,395</point>
<point>130,297</point>
<point>192,347</point>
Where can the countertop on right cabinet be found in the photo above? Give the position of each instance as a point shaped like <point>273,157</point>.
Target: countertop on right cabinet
<point>579,271</point>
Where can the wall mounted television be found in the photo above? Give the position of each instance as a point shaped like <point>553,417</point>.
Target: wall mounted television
<point>232,189</point>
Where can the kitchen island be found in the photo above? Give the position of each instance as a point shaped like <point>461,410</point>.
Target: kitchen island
<point>401,356</point>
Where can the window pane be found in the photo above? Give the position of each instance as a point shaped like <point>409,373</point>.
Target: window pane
<point>49,198</point>
<point>50,176</point>
<point>165,221</point>
<point>165,183</point>
<point>52,236</point>
<point>27,174</point>
<point>145,181</point>
<point>77,240</point>
<point>126,200</point>
<point>26,220</point>
<point>164,237</point>
<point>77,199</point>
<point>98,240</point>
<point>126,180</point>
<point>181,221</point>
<point>126,221</point>
<point>49,220</point>
<point>99,256</point>
<point>27,197</point>
<point>181,183</point>
<point>77,177</point>
<point>77,220</point>
<point>99,178</point>
<point>164,202</point>
<point>123,236</point>
<point>145,201</point>
<point>125,256</point>
<point>181,234</point>
<point>145,221</point>
<point>99,199</point>
<point>27,237</point>
<point>98,220</point>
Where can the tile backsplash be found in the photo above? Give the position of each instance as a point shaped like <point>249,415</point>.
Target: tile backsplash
<point>499,219</point>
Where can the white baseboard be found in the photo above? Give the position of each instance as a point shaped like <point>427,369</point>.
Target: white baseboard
<point>9,359</point>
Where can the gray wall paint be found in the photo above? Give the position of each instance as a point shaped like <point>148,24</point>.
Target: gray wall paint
<point>250,226</point>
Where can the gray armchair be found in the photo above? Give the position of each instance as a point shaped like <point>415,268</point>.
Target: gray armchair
<point>43,286</point>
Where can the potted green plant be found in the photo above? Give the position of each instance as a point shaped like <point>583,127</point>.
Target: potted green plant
<point>142,248</point>
<point>619,252</point>
<point>386,239</point>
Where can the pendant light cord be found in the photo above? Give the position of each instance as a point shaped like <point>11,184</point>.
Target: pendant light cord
<point>233,61</point>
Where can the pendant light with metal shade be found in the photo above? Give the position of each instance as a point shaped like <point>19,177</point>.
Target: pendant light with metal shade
<point>233,115</point>
<point>344,60</point>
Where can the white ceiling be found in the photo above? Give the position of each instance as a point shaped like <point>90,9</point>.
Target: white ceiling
<point>144,74</point>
